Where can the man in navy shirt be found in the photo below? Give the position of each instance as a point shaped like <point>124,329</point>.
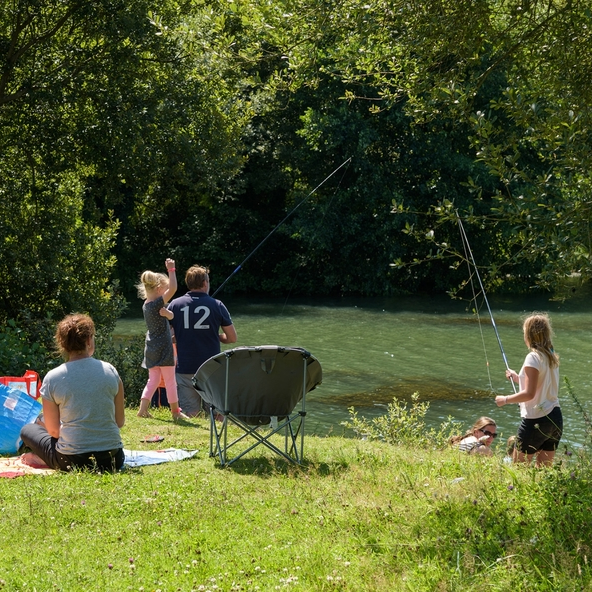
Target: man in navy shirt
<point>200,324</point>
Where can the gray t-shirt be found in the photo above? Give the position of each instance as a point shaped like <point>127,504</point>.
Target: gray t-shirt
<point>84,390</point>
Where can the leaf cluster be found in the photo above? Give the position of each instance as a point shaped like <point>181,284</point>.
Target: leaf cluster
<point>403,424</point>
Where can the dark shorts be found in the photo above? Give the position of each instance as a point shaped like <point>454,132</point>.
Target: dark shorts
<point>543,433</point>
<point>104,461</point>
<point>43,445</point>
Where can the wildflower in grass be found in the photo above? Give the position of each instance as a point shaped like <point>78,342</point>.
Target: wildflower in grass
<point>510,487</point>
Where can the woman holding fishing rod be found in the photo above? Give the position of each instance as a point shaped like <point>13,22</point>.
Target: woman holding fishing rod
<point>540,430</point>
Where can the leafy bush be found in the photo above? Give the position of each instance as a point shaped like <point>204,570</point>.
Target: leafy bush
<point>127,357</point>
<point>403,425</point>
<point>18,354</point>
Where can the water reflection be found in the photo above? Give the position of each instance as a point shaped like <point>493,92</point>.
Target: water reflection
<point>430,390</point>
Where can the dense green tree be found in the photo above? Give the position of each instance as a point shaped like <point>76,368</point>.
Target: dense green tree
<point>131,133</point>
<point>515,73</point>
<point>309,117</point>
<point>510,77</point>
<point>103,119</point>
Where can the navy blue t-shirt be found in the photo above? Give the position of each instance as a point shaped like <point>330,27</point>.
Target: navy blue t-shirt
<point>197,322</point>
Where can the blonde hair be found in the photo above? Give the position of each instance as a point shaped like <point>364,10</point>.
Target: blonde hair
<point>481,423</point>
<point>72,334</point>
<point>150,281</point>
<point>538,336</point>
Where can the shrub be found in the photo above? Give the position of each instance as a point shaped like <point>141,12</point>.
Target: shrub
<point>18,354</point>
<point>127,357</point>
<point>402,424</point>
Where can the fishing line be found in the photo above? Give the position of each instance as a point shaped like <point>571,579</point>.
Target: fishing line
<point>468,250</point>
<point>471,274</point>
<point>313,236</point>
<point>285,218</point>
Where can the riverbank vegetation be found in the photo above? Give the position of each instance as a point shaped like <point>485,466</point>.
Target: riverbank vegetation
<point>358,515</point>
<point>132,132</point>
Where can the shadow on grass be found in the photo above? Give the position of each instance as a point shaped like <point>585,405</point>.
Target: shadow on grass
<point>267,467</point>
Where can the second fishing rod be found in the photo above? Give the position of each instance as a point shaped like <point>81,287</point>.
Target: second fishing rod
<point>279,224</point>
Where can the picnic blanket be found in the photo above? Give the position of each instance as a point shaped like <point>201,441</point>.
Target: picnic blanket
<point>138,458</point>
<point>30,464</point>
<point>25,464</point>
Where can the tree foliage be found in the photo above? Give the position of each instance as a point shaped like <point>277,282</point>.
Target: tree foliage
<point>109,130</point>
<point>514,74</point>
<point>132,132</point>
<point>504,84</point>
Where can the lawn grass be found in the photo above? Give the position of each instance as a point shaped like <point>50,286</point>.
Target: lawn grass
<point>358,515</point>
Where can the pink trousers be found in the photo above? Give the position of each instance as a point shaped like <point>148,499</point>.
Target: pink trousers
<point>155,375</point>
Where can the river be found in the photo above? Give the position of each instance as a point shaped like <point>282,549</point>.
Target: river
<point>372,349</point>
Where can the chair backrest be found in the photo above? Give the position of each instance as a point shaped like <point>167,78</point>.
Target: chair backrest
<point>256,383</point>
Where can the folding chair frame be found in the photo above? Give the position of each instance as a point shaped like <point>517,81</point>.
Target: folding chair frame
<point>292,425</point>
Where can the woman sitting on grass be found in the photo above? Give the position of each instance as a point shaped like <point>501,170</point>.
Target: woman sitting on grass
<point>83,406</point>
<point>478,439</point>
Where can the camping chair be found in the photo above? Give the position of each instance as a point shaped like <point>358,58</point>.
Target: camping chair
<point>257,388</point>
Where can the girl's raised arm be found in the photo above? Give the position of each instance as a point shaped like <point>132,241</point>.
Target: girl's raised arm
<point>170,291</point>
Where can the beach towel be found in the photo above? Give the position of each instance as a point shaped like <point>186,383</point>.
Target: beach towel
<point>138,458</point>
<point>25,464</point>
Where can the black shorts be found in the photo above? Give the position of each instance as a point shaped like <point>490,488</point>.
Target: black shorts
<point>36,438</point>
<point>543,433</point>
<point>105,461</point>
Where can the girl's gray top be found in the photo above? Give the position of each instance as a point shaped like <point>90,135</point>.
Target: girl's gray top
<point>158,350</point>
<point>85,391</point>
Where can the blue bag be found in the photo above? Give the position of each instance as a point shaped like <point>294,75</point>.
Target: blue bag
<point>16,410</point>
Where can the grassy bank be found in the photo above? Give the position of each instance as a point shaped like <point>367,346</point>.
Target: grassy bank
<point>357,516</point>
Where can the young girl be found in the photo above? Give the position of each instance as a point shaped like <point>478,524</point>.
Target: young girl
<point>478,439</point>
<point>542,423</point>
<point>157,289</point>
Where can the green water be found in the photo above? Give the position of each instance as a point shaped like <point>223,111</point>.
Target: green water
<point>374,349</point>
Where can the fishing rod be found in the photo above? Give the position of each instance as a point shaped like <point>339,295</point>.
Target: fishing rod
<point>285,218</point>
<point>468,250</point>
